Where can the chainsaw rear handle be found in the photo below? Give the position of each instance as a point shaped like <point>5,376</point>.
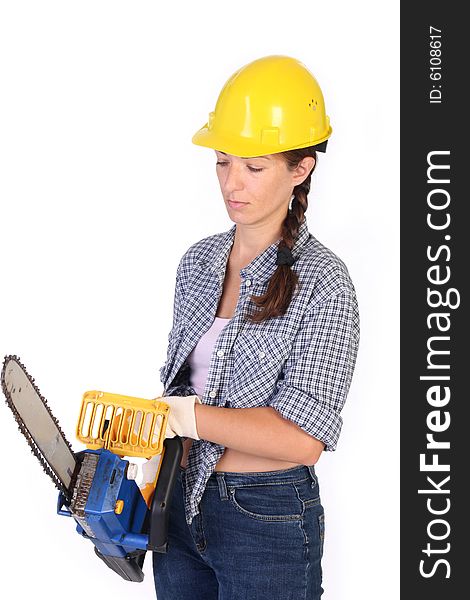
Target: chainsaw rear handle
<point>161,503</point>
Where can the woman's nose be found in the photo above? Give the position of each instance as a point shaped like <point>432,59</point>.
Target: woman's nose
<point>233,178</point>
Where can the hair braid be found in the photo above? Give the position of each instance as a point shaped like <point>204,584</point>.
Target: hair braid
<point>284,281</point>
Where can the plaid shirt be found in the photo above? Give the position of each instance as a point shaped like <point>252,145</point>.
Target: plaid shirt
<point>301,363</point>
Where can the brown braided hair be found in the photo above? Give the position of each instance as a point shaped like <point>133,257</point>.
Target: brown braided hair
<point>284,281</point>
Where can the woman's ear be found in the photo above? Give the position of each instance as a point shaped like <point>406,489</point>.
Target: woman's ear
<point>303,170</point>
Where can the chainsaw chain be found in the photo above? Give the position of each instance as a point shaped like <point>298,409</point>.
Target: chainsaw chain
<point>25,431</point>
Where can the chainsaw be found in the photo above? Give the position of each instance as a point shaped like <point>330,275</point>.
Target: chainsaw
<point>97,486</point>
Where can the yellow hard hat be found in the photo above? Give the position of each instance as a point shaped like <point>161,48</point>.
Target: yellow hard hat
<point>270,105</point>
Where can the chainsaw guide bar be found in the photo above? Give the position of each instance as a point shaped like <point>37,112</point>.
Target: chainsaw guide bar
<point>38,425</point>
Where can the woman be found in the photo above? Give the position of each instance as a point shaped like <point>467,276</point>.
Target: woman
<point>260,356</point>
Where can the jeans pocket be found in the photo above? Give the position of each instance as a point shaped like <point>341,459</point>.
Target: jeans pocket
<point>267,502</point>
<point>308,492</point>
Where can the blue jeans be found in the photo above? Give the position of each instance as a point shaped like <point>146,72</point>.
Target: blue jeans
<point>258,536</point>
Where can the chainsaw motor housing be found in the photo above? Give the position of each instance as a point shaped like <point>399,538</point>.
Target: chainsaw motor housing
<point>111,512</point>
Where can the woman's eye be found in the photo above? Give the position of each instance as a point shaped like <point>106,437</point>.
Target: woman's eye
<point>223,163</point>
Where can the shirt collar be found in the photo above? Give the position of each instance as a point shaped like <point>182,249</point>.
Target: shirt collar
<point>262,266</point>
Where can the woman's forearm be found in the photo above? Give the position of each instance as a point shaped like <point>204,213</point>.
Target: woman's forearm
<point>260,431</point>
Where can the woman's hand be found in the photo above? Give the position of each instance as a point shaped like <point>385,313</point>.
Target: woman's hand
<point>182,417</point>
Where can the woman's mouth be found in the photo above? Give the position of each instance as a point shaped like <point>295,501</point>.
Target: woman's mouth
<point>236,204</point>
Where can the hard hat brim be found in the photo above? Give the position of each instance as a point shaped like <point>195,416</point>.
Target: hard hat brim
<point>246,148</point>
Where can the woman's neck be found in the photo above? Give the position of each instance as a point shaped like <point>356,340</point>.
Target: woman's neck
<point>250,242</point>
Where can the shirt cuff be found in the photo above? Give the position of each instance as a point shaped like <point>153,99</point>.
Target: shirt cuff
<point>314,417</point>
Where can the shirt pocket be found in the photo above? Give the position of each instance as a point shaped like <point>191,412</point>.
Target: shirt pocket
<point>257,364</point>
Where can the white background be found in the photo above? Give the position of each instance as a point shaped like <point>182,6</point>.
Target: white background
<point>101,192</point>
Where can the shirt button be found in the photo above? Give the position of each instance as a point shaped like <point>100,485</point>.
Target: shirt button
<point>212,393</point>
<point>248,282</point>
<point>262,354</point>
<point>220,352</point>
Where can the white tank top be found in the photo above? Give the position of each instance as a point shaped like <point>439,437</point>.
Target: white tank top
<point>200,357</point>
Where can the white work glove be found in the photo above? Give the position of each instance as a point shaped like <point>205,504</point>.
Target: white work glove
<point>182,417</point>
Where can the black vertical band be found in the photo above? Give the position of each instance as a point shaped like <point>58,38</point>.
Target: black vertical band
<point>435,261</point>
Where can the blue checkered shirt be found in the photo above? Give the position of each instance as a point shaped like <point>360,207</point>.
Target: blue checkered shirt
<point>301,363</point>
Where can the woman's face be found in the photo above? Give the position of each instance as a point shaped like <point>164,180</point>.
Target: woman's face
<point>258,190</point>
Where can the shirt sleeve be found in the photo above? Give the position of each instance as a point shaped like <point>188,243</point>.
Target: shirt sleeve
<point>319,370</point>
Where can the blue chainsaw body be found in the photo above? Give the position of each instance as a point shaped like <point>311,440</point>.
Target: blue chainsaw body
<point>114,534</point>
<point>111,512</point>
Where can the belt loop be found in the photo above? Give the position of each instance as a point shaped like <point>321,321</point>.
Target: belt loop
<point>311,470</point>
<point>222,485</point>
